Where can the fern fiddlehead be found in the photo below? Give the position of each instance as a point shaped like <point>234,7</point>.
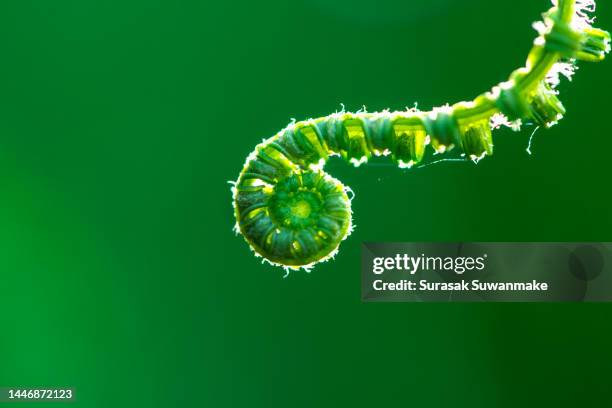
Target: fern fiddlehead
<point>294,215</point>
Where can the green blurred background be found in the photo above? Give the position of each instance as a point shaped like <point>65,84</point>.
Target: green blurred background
<point>121,123</point>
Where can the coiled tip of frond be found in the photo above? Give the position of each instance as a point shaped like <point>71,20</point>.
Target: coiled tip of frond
<point>291,216</point>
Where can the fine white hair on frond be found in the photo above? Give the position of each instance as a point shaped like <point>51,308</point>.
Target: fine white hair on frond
<point>414,108</point>
<point>318,166</point>
<point>528,149</point>
<point>349,193</point>
<point>541,27</point>
<point>566,69</point>
<point>582,18</point>
<point>358,162</point>
<point>583,8</point>
<point>477,158</point>
<point>499,119</point>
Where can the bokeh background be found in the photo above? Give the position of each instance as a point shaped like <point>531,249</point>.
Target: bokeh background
<point>121,122</point>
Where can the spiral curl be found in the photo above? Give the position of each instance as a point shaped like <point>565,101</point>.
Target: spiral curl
<point>294,215</point>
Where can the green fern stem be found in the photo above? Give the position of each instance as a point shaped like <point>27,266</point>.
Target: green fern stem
<point>294,215</point>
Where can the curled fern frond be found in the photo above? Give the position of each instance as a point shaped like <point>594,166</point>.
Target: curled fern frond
<point>295,215</point>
